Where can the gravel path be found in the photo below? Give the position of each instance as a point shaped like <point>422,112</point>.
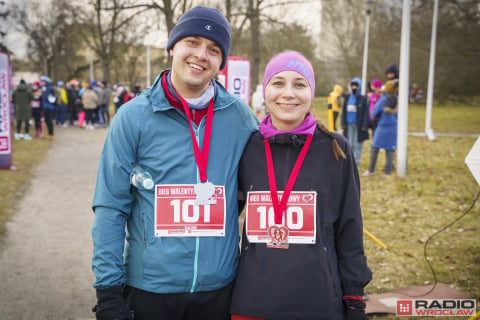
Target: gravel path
<point>45,260</point>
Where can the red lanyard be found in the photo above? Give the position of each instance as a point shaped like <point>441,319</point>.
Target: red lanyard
<point>201,157</point>
<point>279,208</point>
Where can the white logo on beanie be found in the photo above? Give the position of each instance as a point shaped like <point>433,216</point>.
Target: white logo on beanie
<point>208,27</point>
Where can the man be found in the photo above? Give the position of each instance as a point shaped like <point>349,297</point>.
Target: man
<point>179,256</point>
<point>48,104</point>
<point>355,118</point>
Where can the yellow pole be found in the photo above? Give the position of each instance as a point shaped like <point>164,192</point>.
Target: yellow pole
<point>371,236</point>
<point>330,114</point>
<point>475,317</point>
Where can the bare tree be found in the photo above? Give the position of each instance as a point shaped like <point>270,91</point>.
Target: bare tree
<point>107,25</point>
<point>4,17</point>
<point>257,17</point>
<point>48,26</point>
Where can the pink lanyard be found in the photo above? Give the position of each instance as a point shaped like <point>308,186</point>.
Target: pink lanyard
<point>279,207</point>
<point>201,157</point>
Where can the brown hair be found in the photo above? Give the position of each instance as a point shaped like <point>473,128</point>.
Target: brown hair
<point>337,151</point>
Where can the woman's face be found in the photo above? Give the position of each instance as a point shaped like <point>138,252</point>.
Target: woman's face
<point>288,97</point>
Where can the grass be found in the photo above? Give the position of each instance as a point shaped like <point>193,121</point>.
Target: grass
<point>26,155</point>
<point>409,214</point>
<point>403,213</point>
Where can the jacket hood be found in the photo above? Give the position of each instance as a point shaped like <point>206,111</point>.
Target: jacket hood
<point>392,68</point>
<point>22,87</point>
<point>357,80</point>
<point>338,89</point>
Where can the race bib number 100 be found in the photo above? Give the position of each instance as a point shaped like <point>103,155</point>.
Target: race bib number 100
<point>299,216</point>
<point>177,214</point>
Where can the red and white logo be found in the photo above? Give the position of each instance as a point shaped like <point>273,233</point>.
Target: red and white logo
<point>404,307</point>
<point>436,307</point>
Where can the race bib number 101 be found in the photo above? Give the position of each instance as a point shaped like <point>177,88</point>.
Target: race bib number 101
<point>299,216</point>
<point>178,215</point>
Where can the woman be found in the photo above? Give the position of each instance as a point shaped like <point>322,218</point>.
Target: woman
<point>376,86</point>
<point>303,259</point>
<point>385,136</point>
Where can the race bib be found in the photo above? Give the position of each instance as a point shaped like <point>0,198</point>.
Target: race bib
<point>178,214</point>
<point>351,108</point>
<point>299,218</point>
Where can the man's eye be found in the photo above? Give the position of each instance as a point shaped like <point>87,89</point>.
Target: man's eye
<point>215,51</point>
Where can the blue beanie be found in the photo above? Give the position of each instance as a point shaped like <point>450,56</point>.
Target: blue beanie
<point>203,22</point>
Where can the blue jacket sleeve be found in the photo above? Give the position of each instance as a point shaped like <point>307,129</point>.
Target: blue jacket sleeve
<point>112,199</point>
<point>378,108</point>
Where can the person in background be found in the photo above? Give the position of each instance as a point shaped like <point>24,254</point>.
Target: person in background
<point>97,115</point>
<point>391,72</point>
<point>171,252</point>
<point>22,98</point>
<point>48,104</point>
<point>356,118</point>
<point>36,108</point>
<point>376,87</point>
<point>385,136</point>
<point>105,103</point>
<point>336,98</point>
<point>73,101</point>
<point>90,104</point>
<point>61,110</point>
<point>302,254</point>
<point>258,103</point>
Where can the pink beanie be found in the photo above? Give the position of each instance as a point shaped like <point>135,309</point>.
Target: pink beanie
<point>376,83</point>
<point>290,61</point>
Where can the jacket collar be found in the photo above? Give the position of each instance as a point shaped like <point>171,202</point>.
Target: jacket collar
<point>159,101</point>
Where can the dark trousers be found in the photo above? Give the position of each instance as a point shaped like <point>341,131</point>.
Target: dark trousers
<point>60,114</point>
<point>37,117</point>
<point>211,305</point>
<point>48,114</point>
<point>90,116</point>
<point>104,114</point>
<point>19,125</point>
<point>72,114</point>
<point>335,117</point>
<point>388,160</point>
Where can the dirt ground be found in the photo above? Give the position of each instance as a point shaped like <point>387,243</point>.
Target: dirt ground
<point>45,260</point>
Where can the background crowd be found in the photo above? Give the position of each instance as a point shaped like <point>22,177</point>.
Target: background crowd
<point>46,104</point>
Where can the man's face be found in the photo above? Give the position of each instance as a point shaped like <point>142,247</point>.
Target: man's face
<point>196,61</point>
<point>354,87</point>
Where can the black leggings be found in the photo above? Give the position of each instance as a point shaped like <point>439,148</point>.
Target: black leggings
<point>212,305</point>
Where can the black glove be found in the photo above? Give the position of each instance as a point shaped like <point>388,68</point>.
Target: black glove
<point>110,305</point>
<point>355,310</point>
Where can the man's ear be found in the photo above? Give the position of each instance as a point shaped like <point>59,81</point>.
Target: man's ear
<point>170,52</point>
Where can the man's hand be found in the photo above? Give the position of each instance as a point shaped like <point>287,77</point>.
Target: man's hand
<point>110,305</point>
